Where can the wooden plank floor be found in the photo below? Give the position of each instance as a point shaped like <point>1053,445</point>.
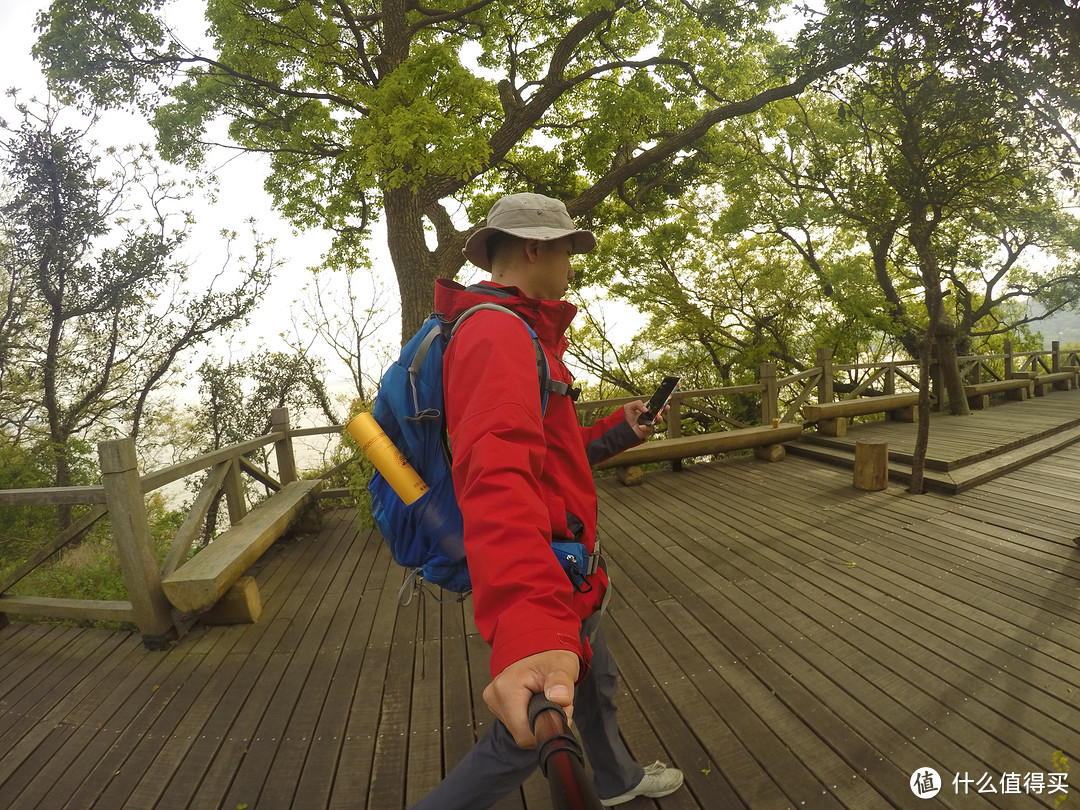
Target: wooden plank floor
<point>785,639</point>
<point>956,441</point>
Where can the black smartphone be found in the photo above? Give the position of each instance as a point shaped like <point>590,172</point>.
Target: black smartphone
<point>658,401</point>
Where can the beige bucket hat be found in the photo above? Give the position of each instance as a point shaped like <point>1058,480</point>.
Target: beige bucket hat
<point>528,216</point>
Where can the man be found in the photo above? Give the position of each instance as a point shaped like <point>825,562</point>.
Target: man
<point>523,479</point>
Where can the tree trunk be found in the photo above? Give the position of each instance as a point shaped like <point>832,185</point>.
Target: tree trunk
<point>923,223</point>
<point>950,372</point>
<point>922,437</point>
<point>414,264</point>
<point>880,245</point>
<point>63,479</point>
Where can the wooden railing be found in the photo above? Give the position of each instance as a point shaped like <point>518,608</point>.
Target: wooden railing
<point>986,367</point>
<point>122,490</point>
<point>121,496</point>
<point>782,398</point>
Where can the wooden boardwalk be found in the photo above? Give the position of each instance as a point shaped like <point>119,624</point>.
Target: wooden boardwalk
<point>785,639</point>
<point>964,452</point>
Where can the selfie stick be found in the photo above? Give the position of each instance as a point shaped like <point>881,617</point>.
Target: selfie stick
<point>561,758</point>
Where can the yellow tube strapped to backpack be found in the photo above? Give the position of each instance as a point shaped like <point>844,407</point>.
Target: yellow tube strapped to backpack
<point>387,459</point>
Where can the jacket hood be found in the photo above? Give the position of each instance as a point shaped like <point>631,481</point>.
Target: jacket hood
<point>549,319</point>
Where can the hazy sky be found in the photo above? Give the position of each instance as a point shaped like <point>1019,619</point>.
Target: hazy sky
<point>240,194</point>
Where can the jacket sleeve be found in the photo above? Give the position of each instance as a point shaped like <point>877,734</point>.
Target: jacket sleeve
<point>609,436</point>
<point>521,596</point>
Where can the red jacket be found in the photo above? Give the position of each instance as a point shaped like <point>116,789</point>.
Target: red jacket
<point>521,479</point>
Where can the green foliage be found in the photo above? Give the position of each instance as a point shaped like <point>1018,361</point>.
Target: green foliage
<point>800,231</point>
<point>411,113</point>
<point>88,569</point>
<point>719,299</point>
<point>97,312</point>
<point>236,399</point>
<point>22,528</point>
<point>669,124</point>
<point>237,396</point>
<point>79,29</point>
<point>26,466</point>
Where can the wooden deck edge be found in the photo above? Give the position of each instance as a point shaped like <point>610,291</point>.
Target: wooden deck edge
<point>1052,434</point>
<point>955,479</point>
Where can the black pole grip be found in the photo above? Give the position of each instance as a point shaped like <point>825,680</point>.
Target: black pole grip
<point>561,758</point>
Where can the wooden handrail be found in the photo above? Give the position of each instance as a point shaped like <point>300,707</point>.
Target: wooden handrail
<point>52,496</point>
<point>316,431</point>
<point>142,576</point>
<point>182,469</point>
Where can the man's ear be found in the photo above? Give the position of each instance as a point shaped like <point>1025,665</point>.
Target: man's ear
<point>532,250</point>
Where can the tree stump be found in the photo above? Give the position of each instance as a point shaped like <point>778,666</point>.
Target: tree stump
<point>871,465</point>
<point>241,604</point>
<point>630,476</point>
<point>770,452</point>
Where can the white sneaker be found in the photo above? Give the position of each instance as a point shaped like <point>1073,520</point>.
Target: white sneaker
<point>659,780</point>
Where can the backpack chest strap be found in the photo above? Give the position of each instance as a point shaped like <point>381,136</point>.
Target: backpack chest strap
<point>563,389</point>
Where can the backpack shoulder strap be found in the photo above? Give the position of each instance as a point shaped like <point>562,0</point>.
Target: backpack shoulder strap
<point>541,359</point>
<point>415,365</point>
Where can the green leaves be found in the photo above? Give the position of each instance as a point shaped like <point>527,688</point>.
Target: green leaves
<point>97,313</point>
<point>105,52</point>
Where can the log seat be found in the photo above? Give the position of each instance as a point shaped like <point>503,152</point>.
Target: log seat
<point>201,581</point>
<point>1016,388</point>
<point>831,417</point>
<point>706,444</point>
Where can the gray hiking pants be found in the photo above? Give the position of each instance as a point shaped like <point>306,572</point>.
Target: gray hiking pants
<point>496,765</point>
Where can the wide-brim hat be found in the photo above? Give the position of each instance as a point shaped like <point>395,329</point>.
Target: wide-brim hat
<point>528,216</point>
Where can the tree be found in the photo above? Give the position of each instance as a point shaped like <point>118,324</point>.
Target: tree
<point>346,325</point>
<point>236,399</point>
<point>420,115</point>
<point>954,191</point>
<point>97,311</point>
<point>916,189</point>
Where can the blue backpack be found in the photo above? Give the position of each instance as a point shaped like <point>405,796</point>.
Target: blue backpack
<point>426,536</point>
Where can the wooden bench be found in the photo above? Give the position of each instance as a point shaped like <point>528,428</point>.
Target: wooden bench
<point>201,581</point>
<point>707,444</point>
<point>831,417</point>
<point>1063,380</point>
<point>1016,388</point>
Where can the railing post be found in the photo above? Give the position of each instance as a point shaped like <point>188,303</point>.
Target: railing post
<point>134,546</point>
<point>674,426</point>
<point>769,393</point>
<point>234,492</point>
<point>674,417</point>
<point>1010,368</point>
<point>1055,356</point>
<point>283,449</point>
<point>825,384</point>
<point>890,379</point>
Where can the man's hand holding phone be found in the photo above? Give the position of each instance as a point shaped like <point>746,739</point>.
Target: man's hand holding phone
<point>644,418</point>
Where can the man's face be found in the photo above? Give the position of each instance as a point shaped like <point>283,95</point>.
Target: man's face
<point>553,268</point>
